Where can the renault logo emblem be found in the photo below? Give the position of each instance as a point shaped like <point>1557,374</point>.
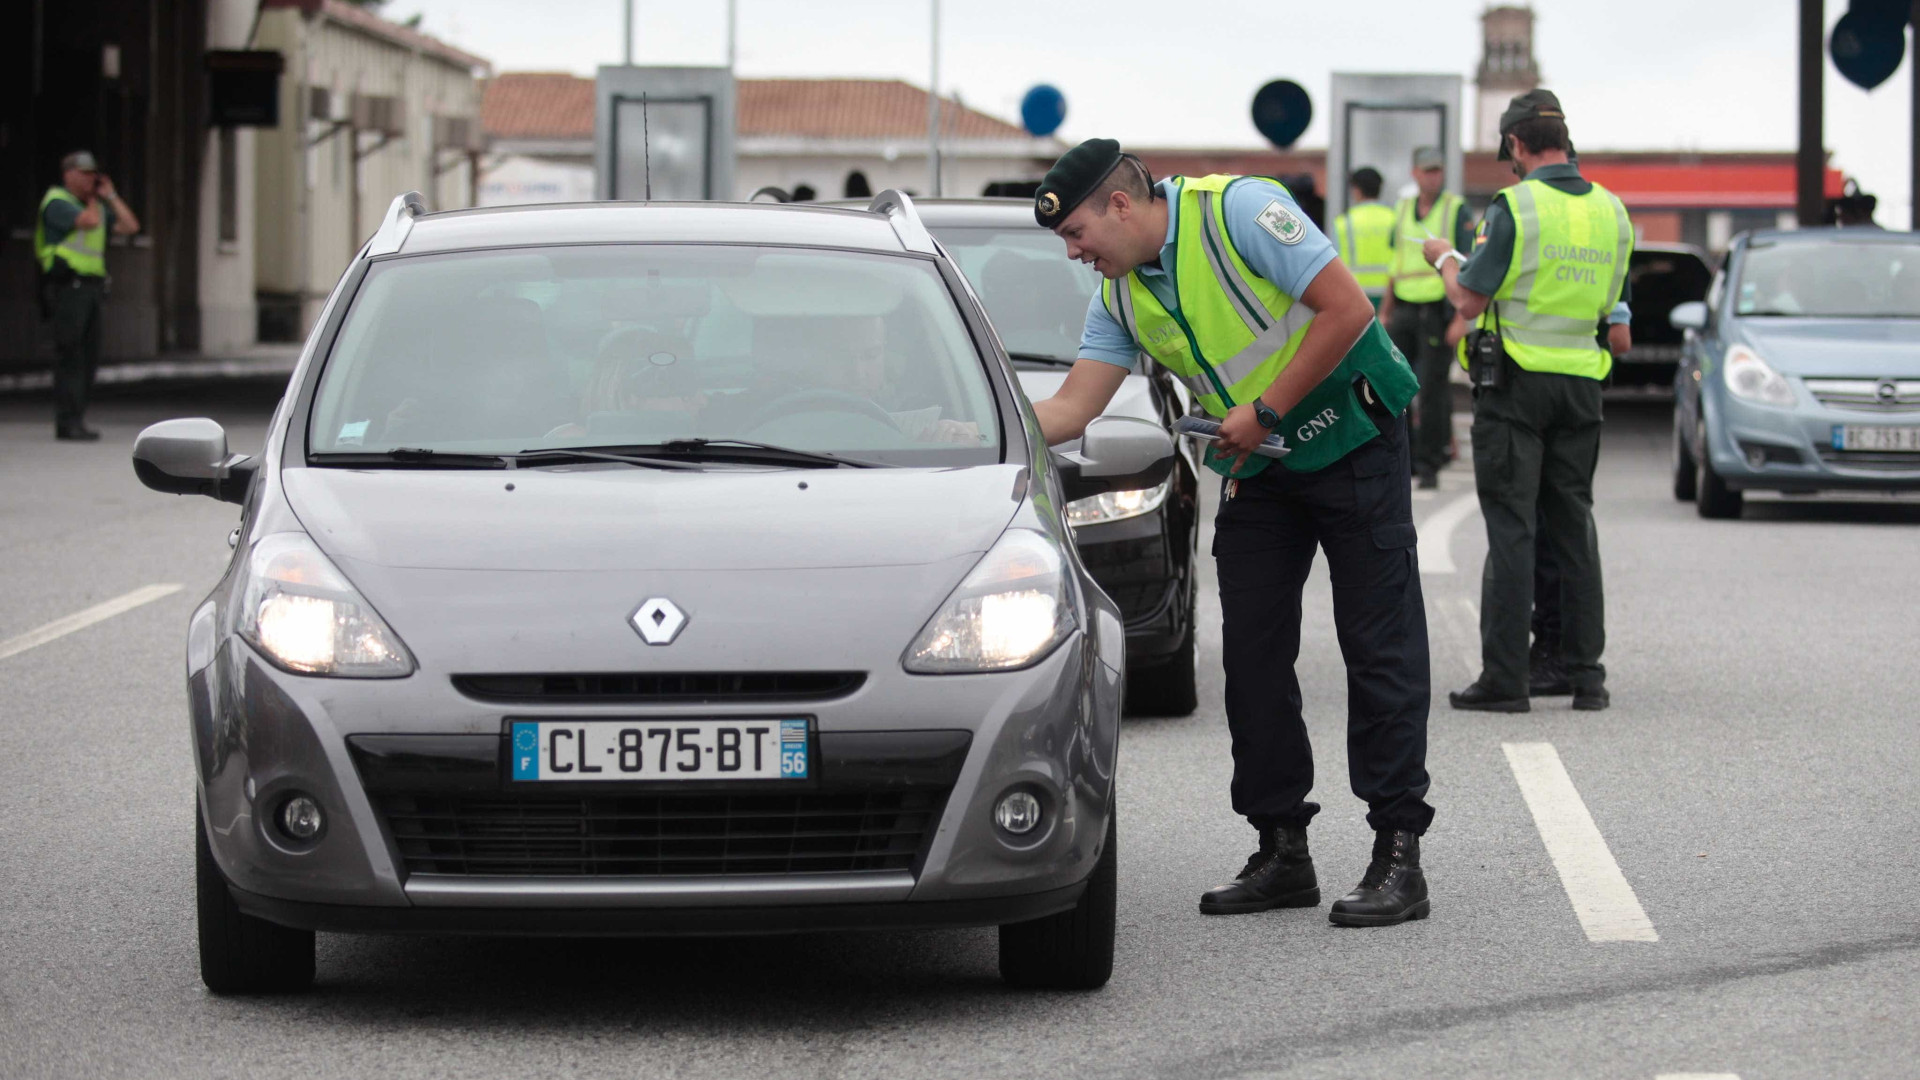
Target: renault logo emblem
<point>659,621</point>
<point>1889,393</point>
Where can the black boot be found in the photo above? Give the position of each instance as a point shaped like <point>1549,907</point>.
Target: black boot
<point>1546,674</point>
<point>1393,889</point>
<point>1481,699</point>
<point>1279,875</point>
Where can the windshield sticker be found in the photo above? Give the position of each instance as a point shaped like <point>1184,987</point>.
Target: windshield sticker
<point>353,433</point>
<point>1282,223</point>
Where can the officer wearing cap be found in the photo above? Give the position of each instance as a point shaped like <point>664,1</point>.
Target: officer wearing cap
<point>1549,262</point>
<point>70,243</point>
<point>1416,310</point>
<point>1222,280</point>
<point>1364,234</point>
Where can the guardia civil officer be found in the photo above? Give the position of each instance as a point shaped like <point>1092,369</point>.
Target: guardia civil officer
<point>1549,261</point>
<point>1364,234</point>
<point>1223,280</point>
<point>1416,310</point>
<point>70,241</point>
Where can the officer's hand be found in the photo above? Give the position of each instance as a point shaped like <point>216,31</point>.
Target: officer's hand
<point>1619,338</point>
<point>1240,432</point>
<point>1456,329</point>
<point>103,186</point>
<point>1433,249</point>
<point>89,217</point>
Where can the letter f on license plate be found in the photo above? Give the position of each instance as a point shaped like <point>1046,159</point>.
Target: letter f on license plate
<point>589,750</point>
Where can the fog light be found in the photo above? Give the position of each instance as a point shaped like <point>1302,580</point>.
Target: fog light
<point>300,818</point>
<point>1756,457</point>
<point>1018,812</point>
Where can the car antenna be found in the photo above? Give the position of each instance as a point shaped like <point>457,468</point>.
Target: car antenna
<point>646,148</point>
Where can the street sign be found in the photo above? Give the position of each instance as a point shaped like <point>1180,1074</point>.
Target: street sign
<point>1042,110</point>
<point>1868,42</point>
<point>1281,112</point>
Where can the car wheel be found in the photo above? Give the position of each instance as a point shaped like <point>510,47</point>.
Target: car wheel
<point>1074,949</point>
<point>1685,482</point>
<point>240,954</point>
<point>1712,497</point>
<point>1169,687</point>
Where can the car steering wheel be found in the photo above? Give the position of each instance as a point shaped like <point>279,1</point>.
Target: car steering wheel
<point>820,399</point>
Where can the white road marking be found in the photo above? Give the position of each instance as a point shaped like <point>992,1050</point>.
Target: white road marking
<point>1697,1076</point>
<point>80,620</point>
<point>1436,534</point>
<point>1604,902</point>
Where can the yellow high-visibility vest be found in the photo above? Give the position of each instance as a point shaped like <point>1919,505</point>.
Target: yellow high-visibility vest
<point>85,250</point>
<point>1413,280</point>
<point>1363,236</point>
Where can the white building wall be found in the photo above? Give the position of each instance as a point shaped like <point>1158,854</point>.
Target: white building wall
<point>227,312</point>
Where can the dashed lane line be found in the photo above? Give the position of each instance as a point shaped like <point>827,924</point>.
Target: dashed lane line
<point>80,620</point>
<point>1697,1076</point>
<point>1436,534</point>
<point>1605,904</point>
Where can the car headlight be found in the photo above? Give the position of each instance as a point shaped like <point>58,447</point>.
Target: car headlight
<point>1010,611</point>
<point>302,614</point>
<point>1750,378</point>
<point>1118,505</point>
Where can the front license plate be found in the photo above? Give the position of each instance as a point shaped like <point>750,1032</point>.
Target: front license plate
<point>577,750</point>
<point>1869,437</point>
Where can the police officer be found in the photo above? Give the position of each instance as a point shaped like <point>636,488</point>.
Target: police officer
<point>70,242</point>
<point>1364,234</point>
<point>1222,280</point>
<point>1416,310</point>
<point>1549,260</point>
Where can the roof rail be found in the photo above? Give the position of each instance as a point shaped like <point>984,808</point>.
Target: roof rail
<point>396,225</point>
<point>898,207</point>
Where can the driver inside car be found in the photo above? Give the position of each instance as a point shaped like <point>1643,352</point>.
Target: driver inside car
<point>827,362</point>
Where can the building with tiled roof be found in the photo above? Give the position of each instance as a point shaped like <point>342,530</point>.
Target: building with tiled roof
<point>788,133</point>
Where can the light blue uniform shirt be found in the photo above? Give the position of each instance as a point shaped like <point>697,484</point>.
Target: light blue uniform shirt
<point>1289,267</point>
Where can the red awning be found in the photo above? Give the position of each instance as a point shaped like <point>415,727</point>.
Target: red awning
<point>1710,185</point>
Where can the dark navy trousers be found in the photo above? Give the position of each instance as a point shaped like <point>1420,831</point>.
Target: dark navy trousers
<point>1359,510</point>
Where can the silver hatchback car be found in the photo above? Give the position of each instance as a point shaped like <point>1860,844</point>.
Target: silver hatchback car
<point>654,569</point>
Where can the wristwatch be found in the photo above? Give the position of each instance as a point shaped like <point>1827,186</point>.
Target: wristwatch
<point>1267,417</point>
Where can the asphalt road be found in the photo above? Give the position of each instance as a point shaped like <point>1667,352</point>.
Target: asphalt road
<point>1754,785</point>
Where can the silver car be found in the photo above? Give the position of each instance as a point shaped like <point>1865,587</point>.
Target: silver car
<point>654,569</point>
<point>1801,371</point>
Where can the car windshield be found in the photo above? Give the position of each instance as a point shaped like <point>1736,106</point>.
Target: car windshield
<point>497,352</point>
<point>1830,280</point>
<point>1035,295</point>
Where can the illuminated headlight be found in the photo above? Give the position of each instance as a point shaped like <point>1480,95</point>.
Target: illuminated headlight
<point>1011,610</point>
<point>304,615</point>
<point>1750,378</point>
<point>1118,505</point>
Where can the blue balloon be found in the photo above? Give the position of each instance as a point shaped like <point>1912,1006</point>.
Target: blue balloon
<point>1281,111</point>
<point>1042,110</point>
<point>1867,47</point>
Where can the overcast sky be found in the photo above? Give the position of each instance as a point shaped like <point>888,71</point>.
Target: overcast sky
<point>1632,74</point>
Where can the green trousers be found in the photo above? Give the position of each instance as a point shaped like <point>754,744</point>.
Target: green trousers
<point>1419,331</point>
<point>1535,444</point>
<point>76,339</point>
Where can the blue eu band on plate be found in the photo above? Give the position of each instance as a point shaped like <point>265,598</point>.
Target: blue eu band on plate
<point>589,750</point>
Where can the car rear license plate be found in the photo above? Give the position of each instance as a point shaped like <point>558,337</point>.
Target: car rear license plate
<point>577,750</point>
<point>1870,437</point>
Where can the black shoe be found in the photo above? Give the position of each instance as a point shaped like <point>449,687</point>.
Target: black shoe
<point>1427,481</point>
<point>1393,889</point>
<point>1480,699</point>
<point>1547,676</point>
<point>76,433</point>
<point>1591,698</point>
<point>1279,875</point>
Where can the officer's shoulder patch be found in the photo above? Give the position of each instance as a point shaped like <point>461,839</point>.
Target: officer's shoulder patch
<point>1284,224</point>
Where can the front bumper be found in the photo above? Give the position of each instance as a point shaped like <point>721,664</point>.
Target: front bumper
<point>953,743</point>
<point>1760,448</point>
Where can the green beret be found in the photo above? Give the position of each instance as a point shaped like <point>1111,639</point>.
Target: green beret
<point>1532,105</point>
<point>1074,177</point>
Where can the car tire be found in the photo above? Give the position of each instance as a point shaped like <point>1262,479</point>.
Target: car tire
<point>1072,950</point>
<point>1712,497</point>
<point>1685,480</point>
<point>240,954</point>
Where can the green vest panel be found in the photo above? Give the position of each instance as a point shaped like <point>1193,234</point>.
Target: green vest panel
<point>1570,255</point>
<point>1363,236</point>
<point>85,250</point>
<point>1413,280</point>
<point>1235,332</point>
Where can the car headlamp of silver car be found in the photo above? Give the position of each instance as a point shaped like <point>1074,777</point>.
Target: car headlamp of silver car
<point>300,611</point>
<point>1752,379</point>
<point>1008,613</point>
<point>1118,505</point>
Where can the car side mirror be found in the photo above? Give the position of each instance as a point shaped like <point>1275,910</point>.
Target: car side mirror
<point>189,457</point>
<point>1117,453</point>
<point>1691,315</point>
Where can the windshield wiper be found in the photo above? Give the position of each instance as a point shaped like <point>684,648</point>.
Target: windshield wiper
<point>748,450</point>
<point>412,456</point>
<point>1041,358</point>
<point>567,455</point>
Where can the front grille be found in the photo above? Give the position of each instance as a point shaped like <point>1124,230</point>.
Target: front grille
<point>1867,395</point>
<point>1869,460</point>
<point>652,835</point>
<point>636,688</point>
